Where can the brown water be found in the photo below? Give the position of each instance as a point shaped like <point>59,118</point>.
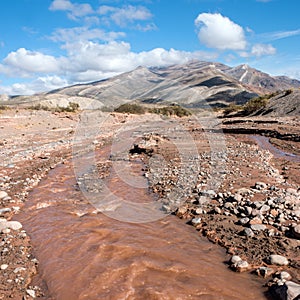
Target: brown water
<point>264,143</point>
<point>84,255</point>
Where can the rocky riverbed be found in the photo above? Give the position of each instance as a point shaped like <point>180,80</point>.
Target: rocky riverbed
<point>231,190</point>
<point>255,210</point>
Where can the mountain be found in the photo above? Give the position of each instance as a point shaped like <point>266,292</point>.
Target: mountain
<point>252,77</point>
<point>194,84</point>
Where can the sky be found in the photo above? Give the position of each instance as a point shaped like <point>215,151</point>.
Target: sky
<point>48,44</point>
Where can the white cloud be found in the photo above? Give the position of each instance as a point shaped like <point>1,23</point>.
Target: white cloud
<point>75,10</point>
<point>273,36</point>
<point>41,84</point>
<point>67,35</point>
<point>85,61</point>
<point>24,62</point>
<point>262,49</point>
<point>219,32</point>
<point>127,14</point>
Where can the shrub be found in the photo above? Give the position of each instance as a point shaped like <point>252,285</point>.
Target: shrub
<point>130,109</point>
<point>255,104</point>
<point>231,108</point>
<point>174,110</point>
<point>72,107</point>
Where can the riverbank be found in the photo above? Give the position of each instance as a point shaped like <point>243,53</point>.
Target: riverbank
<point>253,211</point>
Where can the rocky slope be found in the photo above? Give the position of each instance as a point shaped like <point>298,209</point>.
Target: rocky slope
<point>283,104</point>
<point>195,84</point>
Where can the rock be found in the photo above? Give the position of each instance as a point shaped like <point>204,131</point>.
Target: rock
<point>255,221</point>
<point>264,209</point>
<point>217,210</point>
<point>4,210</point>
<point>241,266</point>
<point>19,269</point>
<point>31,293</point>
<point>258,227</point>
<point>238,197</point>
<point>265,271</point>
<point>260,185</point>
<point>244,191</point>
<point>196,221</point>
<point>244,221</point>
<point>4,267</point>
<point>249,232</point>
<point>278,260</point>
<point>285,276</point>
<point>288,291</point>
<point>296,231</point>
<point>14,225</point>
<point>235,259</point>
<point>3,195</point>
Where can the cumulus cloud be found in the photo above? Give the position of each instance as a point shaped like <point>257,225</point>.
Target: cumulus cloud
<point>262,49</point>
<point>23,62</point>
<point>86,61</point>
<point>41,84</point>
<point>219,32</point>
<point>74,10</point>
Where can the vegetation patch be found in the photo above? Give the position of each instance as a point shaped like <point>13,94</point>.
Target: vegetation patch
<point>130,108</point>
<point>173,110</point>
<point>72,107</point>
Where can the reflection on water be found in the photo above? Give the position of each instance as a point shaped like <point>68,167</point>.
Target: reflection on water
<point>265,144</point>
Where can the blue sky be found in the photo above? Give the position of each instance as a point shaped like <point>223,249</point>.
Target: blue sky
<point>46,44</point>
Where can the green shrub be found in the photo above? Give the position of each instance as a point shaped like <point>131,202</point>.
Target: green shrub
<point>231,108</point>
<point>72,107</point>
<point>255,104</point>
<point>174,110</point>
<point>130,109</point>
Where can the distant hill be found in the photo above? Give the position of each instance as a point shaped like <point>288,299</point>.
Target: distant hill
<point>195,84</point>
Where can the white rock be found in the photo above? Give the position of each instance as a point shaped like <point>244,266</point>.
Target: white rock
<point>31,293</point>
<point>235,259</point>
<point>285,276</point>
<point>3,195</point>
<point>4,267</point>
<point>278,260</point>
<point>14,225</point>
<point>258,227</point>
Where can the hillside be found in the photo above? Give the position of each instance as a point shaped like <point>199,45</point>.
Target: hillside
<point>196,84</point>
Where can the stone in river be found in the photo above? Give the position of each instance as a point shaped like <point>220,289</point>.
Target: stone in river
<point>278,260</point>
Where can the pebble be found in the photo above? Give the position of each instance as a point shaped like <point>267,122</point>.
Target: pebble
<point>278,260</point>
<point>264,271</point>
<point>196,221</point>
<point>296,232</point>
<point>31,293</point>
<point>249,232</point>
<point>235,259</point>
<point>258,227</point>
<point>241,266</point>
<point>260,185</point>
<point>285,276</point>
<point>4,267</point>
<point>3,195</point>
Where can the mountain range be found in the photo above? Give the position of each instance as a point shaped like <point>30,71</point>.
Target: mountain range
<point>194,84</point>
